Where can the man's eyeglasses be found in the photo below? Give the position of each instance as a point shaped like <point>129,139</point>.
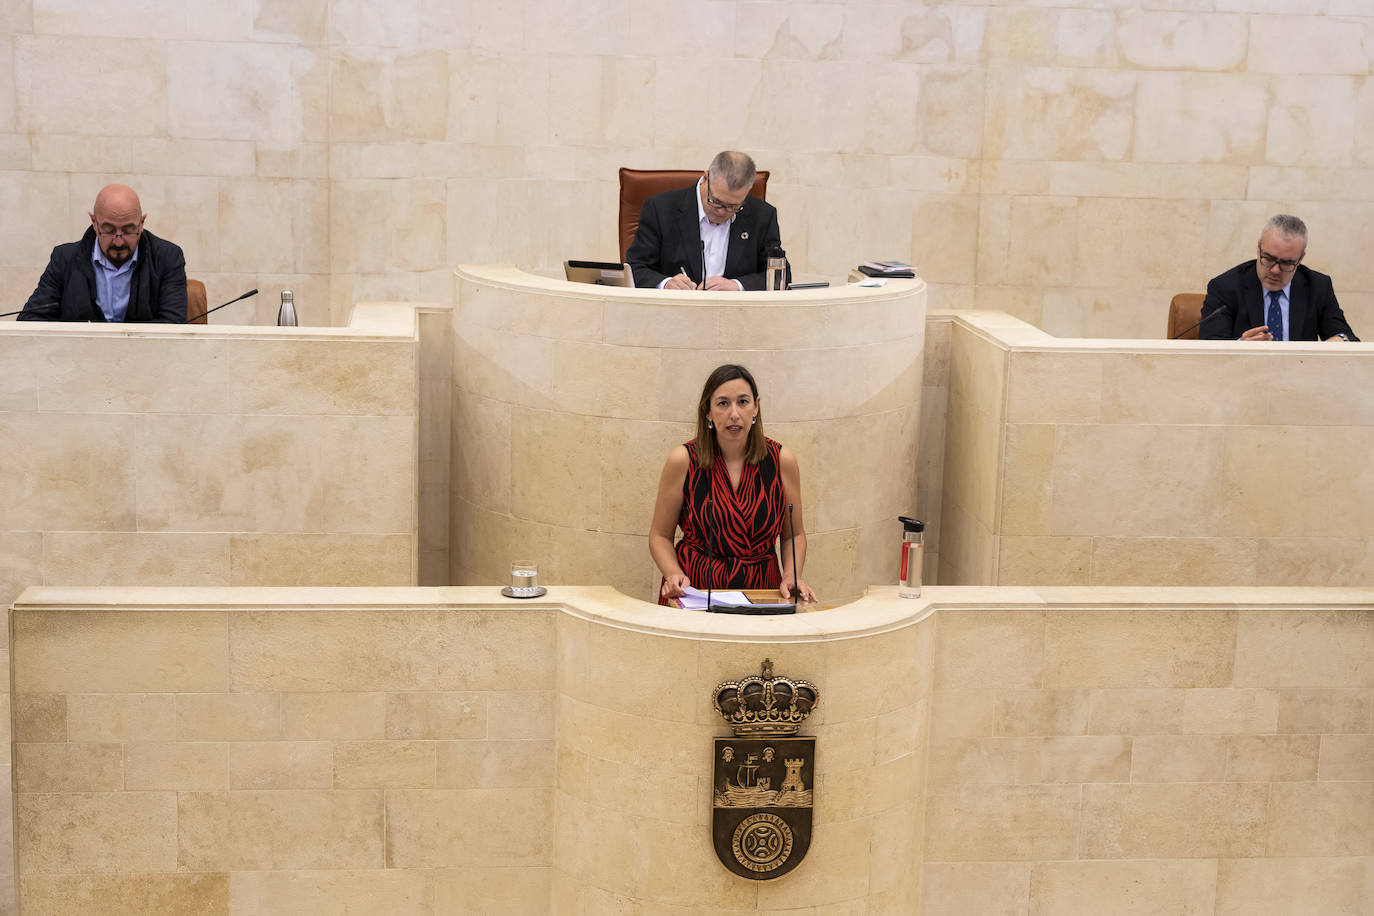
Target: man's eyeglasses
<point>720,205</point>
<point>1269,262</point>
<point>110,232</point>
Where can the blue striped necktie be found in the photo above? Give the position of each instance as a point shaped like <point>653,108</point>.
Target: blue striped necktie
<point>1275,317</point>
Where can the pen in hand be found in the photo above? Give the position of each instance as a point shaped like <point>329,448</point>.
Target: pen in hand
<point>683,272</point>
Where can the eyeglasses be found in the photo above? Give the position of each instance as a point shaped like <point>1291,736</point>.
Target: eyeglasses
<point>720,205</point>
<point>110,232</point>
<point>1269,262</point>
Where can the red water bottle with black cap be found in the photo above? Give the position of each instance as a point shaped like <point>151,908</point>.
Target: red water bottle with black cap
<point>913,556</point>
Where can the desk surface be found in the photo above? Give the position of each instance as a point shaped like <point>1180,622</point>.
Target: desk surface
<point>512,277</point>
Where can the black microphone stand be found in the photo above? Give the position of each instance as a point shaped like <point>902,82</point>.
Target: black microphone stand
<point>251,292</point>
<point>1199,322</point>
<point>760,610</point>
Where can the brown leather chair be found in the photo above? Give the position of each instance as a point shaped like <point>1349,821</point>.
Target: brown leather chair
<point>1185,311</point>
<point>638,185</point>
<point>195,302</point>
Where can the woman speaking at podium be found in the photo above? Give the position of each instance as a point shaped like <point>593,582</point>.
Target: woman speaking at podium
<point>728,490</point>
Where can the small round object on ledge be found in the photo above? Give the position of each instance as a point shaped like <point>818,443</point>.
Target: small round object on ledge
<point>537,591</point>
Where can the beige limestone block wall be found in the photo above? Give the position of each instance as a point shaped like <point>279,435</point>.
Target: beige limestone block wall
<point>1199,751</point>
<point>150,455</point>
<point>1071,164</point>
<point>283,751</point>
<point>930,450</point>
<point>568,398</point>
<point>440,751</point>
<point>636,763</point>
<point>1081,462</point>
<point>434,461</point>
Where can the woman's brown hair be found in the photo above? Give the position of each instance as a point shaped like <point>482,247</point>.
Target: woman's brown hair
<point>707,449</point>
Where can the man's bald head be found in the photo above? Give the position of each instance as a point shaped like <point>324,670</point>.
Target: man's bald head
<point>118,220</point>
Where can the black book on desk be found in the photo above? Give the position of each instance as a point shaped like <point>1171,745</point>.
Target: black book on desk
<point>899,270</point>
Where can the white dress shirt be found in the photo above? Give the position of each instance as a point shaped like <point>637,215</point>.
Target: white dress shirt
<point>715,238</point>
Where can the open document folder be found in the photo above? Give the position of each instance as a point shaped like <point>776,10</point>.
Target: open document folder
<point>694,599</point>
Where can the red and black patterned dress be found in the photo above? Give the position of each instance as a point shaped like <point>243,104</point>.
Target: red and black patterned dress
<point>727,532</point>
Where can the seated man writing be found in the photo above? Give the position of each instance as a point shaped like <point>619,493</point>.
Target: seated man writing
<point>130,275</point>
<point>715,217</point>
<point>1275,296</point>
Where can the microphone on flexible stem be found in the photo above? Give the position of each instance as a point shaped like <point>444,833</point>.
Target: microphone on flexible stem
<point>703,264</point>
<point>792,529</point>
<point>1200,320</point>
<point>251,292</point>
<point>711,531</point>
<point>758,610</point>
<point>25,309</point>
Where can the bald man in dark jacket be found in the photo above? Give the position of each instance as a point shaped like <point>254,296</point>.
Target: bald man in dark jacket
<point>134,276</point>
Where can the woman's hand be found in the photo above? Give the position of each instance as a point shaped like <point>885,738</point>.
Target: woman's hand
<point>804,593</point>
<point>675,586</point>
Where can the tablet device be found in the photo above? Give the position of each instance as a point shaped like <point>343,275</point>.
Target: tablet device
<point>601,273</point>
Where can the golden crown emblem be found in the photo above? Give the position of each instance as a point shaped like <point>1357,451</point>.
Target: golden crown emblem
<point>765,705</point>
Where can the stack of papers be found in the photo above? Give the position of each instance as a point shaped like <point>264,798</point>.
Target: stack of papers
<point>694,599</point>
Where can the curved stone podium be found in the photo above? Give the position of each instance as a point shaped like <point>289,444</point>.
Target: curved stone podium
<point>438,750</point>
<point>568,397</point>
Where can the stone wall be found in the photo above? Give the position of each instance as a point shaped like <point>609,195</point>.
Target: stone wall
<point>429,752</point>
<point>1092,758</point>
<point>567,399</point>
<point>151,456</point>
<point>1077,462</point>
<point>1072,165</point>
<point>147,455</point>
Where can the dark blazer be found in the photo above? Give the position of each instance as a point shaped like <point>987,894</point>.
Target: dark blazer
<point>669,237</point>
<point>66,291</point>
<point>1235,303</point>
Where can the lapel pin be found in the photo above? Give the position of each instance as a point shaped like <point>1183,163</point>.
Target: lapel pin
<point>744,235</point>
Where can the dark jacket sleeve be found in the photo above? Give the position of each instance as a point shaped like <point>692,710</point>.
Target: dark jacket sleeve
<point>45,303</point>
<point>646,251</point>
<point>1330,319</point>
<point>771,238</point>
<point>1220,309</point>
<point>171,298</point>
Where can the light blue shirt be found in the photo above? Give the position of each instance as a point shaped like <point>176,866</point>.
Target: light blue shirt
<point>1283,307</point>
<point>112,283</point>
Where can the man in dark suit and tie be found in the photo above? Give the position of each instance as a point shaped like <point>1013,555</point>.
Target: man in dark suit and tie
<point>1274,297</point>
<point>716,218</point>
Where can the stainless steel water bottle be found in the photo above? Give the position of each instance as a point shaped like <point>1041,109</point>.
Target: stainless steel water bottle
<point>913,556</point>
<point>286,315</point>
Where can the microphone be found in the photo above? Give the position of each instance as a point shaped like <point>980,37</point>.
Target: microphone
<point>792,529</point>
<point>1200,320</point>
<point>251,292</point>
<point>711,532</point>
<point>752,609</point>
<point>703,264</point>
<point>26,308</point>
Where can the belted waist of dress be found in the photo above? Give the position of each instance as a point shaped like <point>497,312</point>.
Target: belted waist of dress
<point>700,547</point>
